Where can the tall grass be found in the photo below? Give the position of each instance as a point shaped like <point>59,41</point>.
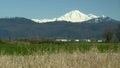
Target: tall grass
<point>77,59</point>
<point>27,49</point>
<point>60,55</point>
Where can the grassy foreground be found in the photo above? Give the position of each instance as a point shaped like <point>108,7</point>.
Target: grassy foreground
<point>70,47</point>
<point>60,55</point>
<point>91,59</point>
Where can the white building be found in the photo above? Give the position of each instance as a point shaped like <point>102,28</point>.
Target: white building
<point>87,40</point>
<point>63,40</point>
<point>99,40</point>
<point>77,40</point>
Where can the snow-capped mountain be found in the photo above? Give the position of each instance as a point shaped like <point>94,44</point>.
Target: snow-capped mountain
<point>44,20</point>
<point>102,19</point>
<point>17,27</point>
<point>72,16</point>
<point>76,16</point>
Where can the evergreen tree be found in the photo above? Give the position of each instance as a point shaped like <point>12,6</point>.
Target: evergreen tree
<point>118,32</point>
<point>108,34</point>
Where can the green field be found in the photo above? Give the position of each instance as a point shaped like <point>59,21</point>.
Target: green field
<point>26,49</point>
<point>60,55</point>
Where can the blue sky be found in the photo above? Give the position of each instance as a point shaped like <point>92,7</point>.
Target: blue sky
<point>55,8</point>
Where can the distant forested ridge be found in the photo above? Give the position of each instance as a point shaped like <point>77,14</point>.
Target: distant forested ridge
<point>19,27</point>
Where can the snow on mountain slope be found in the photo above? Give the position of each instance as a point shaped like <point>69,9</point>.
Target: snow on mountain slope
<point>73,16</point>
<point>44,20</point>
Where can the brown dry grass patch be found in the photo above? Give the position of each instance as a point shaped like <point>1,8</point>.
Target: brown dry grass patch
<point>91,59</point>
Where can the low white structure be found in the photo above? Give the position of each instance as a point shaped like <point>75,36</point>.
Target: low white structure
<point>87,40</point>
<point>99,40</point>
<point>63,40</point>
<point>77,40</point>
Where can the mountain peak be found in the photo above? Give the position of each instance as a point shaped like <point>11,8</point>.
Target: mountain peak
<point>72,16</point>
<point>75,12</point>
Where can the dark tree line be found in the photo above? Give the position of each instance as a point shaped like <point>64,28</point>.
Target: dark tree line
<point>109,34</point>
<point>118,32</point>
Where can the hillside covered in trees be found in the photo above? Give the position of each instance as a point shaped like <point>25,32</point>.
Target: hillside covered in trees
<point>19,27</point>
